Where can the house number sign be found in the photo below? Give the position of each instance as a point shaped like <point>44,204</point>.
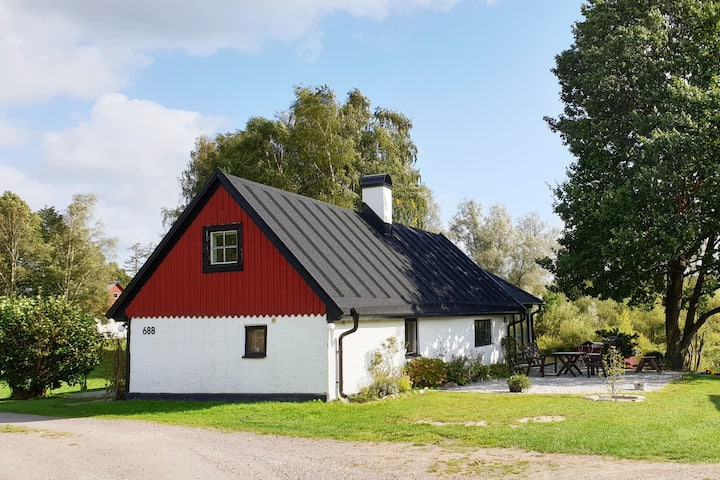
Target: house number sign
<point>148,330</point>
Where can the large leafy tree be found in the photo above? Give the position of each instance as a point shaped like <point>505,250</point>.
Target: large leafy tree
<point>641,91</point>
<point>320,148</point>
<point>22,251</point>
<point>45,341</point>
<point>509,250</point>
<point>78,270</point>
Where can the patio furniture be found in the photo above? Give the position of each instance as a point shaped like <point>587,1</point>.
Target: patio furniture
<point>569,362</point>
<point>591,347</point>
<point>650,361</point>
<point>533,358</point>
<point>594,364</point>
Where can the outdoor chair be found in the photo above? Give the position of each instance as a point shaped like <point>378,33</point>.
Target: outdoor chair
<point>593,358</point>
<point>594,364</point>
<point>534,359</point>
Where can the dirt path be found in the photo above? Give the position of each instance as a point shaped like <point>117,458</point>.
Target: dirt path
<point>40,448</point>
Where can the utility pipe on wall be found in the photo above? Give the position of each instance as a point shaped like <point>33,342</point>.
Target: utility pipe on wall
<point>356,323</point>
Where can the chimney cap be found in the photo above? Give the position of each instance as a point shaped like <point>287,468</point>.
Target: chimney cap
<point>377,180</point>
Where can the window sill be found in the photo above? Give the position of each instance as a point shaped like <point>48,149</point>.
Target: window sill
<point>255,356</point>
<point>224,267</point>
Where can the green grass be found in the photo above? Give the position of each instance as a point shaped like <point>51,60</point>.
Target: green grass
<point>679,423</point>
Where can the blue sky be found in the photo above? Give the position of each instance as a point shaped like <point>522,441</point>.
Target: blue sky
<point>109,97</point>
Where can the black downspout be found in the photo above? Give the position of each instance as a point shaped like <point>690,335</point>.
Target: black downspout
<point>531,322</point>
<point>356,323</point>
<point>127,359</point>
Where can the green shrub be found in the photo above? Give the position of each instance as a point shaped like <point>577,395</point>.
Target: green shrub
<point>479,372</point>
<point>614,369</point>
<point>387,378</point>
<point>382,387</point>
<point>624,342</point>
<point>463,370</point>
<point>518,382</point>
<point>404,383</point>
<point>512,355</point>
<point>45,341</point>
<point>426,372</point>
<point>458,370</point>
<point>500,370</point>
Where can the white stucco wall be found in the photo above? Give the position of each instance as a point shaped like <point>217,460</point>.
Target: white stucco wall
<point>205,355</point>
<point>446,337</point>
<point>358,349</point>
<point>437,337</point>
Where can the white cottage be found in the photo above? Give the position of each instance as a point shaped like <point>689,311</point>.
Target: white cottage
<point>257,293</point>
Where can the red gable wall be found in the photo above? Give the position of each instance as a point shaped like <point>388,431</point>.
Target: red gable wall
<point>267,285</point>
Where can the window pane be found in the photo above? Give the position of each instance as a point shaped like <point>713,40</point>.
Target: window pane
<point>218,239</point>
<point>482,333</point>
<point>222,248</point>
<point>411,337</point>
<point>255,341</point>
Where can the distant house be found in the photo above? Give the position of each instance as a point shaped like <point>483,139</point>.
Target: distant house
<point>257,292</point>
<point>108,328</point>
<point>114,289</point>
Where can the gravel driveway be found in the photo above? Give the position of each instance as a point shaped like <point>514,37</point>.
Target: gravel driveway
<point>44,448</point>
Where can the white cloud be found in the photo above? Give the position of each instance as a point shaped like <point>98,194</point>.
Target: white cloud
<point>168,25</point>
<point>129,154</point>
<point>33,191</point>
<point>85,48</point>
<point>12,135</point>
<point>43,56</point>
<point>205,27</point>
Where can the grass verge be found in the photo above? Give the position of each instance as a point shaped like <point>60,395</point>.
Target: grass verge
<point>679,423</point>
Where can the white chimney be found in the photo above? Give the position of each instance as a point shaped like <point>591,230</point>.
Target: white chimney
<point>377,194</point>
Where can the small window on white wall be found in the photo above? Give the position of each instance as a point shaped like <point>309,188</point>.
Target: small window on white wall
<point>483,332</point>
<point>255,341</point>
<point>411,337</point>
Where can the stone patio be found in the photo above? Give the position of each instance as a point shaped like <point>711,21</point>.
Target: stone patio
<point>581,385</point>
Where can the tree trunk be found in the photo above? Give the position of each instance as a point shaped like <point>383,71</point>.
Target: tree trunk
<point>21,393</point>
<point>675,354</point>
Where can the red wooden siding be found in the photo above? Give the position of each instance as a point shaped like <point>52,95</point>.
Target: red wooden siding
<point>267,285</point>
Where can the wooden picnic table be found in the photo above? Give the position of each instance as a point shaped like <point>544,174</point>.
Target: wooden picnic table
<point>569,362</point>
<point>650,361</point>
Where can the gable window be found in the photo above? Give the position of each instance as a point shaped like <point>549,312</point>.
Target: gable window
<point>255,341</point>
<point>222,248</point>
<point>483,334</point>
<point>411,337</point>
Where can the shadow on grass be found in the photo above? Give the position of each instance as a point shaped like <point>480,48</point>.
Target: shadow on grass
<point>713,380</point>
<point>68,406</point>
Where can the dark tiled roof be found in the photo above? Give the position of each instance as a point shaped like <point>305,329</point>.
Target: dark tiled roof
<point>342,254</point>
<point>518,293</point>
<point>349,262</point>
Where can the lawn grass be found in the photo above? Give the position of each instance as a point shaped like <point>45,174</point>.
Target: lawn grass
<point>679,423</point>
